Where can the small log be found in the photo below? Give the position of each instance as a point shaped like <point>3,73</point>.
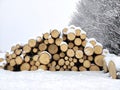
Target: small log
<point>65,67</point>
<point>55,33</point>
<point>94,68</point>
<point>39,39</point>
<point>42,47</point>
<point>75,48</point>
<point>74,68</point>
<point>90,58</point>
<point>46,35</point>
<point>82,68</point>
<point>67,63</point>
<point>50,40</point>
<point>66,58</point>
<point>58,41</point>
<point>62,54</point>
<point>86,64</point>
<point>25,66</point>
<point>37,63</point>
<point>64,47</point>
<point>35,57</point>
<point>35,50</point>
<point>53,64</point>
<point>18,51</point>
<point>70,45</point>
<point>46,42</point>
<point>13,48</point>
<point>81,60</point>
<point>43,67</point>
<point>61,69</point>
<point>61,62</point>
<point>105,67</point>
<point>52,69</point>
<point>93,42</point>
<point>77,32</point>
<point>64,37</point>
<point>27,59</point>
<point>26,48</point>
<point>79,54</point>
<point>32,42</point>
<point>64,31</point>
<point>18,60</point>
<point>56,57</point>
<point>84,42</point>
<point>1,59</point>
<point>85,57</point>
<point>112,70</point>
<point>52,49</point>
<point>98,49</point>
<point>83,35</point>
<point>11,68</point>
<point>12,62</point>
<point>57,67</point>
<point>70,53</point>
<point>88,51</point>
<point>44,58</point>
<point>71,36</point>
<point>32,63</point>
<point>77,41</point>
<point>33,68</point>
<point>99,60</point>
<point>75,60</point>
<point>72,64</point>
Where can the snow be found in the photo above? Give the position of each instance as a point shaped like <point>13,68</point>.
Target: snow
<point>62,80</point>
<point>88,45</point>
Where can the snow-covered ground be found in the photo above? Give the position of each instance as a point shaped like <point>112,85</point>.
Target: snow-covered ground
<point>63,80</point>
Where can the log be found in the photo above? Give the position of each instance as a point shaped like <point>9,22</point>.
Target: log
<point>74,68</point>
<point>77,41</point>
<point>46,35</point>
<point>18,51</point>
<point>70,53</point>
<point>42,47</point>
<point>88,51</point>
<point>13,48</point>
<point>37,63</point>
<point>12,62</point>
<point>11,68</point>
<point>32,42</point>
<point>44,58</point>
<point>66,58</point>
<point>75,60</point>
<point>105,67</point>
<point>83,35</point>
<point>86,63</point>
<point>26,48</point>
<point>61,62</point>
<point>98,49</point>
<point>61,69</point>
<point>56,57</point>
<point>25,66</point>
<point>79,54</point>
<point>35,57</point>
<point>52,49</point>
<point>72,64</point>
<point>77,32</point>
<point>43,67</point>
<point>58,41</point>
<point>71,36</point>
<point>82,68</point>
<point>75,48</point>
<point>70,45</point>
<point>1,59</point>
<point>53,64</point>
<point>27,59</point>
<point>81,60</point>
<point>33,68</point>
<point>84,42</point>
<point>99,60</point>
<point>55,33</point>
<point>35,50</point>
<point>64,37</point>
<point>18,60</point>
<point>39,39</point>
<point>65,67</point>
<point>52,69</point>
<point>70,59</point>
<point>63,47</point>
<point>57,67</point>
<point>94,68</point>
<point>67,63</point>
<point>32,62</point>
<point>112,70</point>
<point>46,42</point>
<point>93,42</point>
<point>64,31</point>
<point>62,54</point>
<point>90,58</point>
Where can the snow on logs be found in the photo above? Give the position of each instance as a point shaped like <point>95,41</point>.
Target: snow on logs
<point>69,50</point>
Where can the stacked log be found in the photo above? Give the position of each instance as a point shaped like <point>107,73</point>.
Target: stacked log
<point>69,50</point>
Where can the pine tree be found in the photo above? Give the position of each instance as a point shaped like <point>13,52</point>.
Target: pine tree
<point>101,20</point>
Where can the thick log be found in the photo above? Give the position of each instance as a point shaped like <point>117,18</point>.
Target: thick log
<point>25,66</point>
<point>98,49</point>
<point>42,47</point>
<point>52,49</point>
<point>18,51</point>
<point>88,51</point>
<point>55,33</point>
<point>94,68</point>
<point>99,60</point>
<point>46,35</point>
<point>61,62</point>
<point>58,41</point>
<point>86,63</point>
<point>79,54</point>
<point>70,53</point>
<point>32,42</point>
<point>77,41</point>
<point>44,58</point>
<point>18,60</point>
<point>46,42</point>
<point>12,62</point>
<point>71,36</point>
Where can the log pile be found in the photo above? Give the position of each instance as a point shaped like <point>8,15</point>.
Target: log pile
<point>69,50</point>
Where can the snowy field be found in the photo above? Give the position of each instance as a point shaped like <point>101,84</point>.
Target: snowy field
<point>63,80</point>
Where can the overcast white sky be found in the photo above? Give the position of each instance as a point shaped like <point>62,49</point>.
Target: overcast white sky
<point>21,20</point>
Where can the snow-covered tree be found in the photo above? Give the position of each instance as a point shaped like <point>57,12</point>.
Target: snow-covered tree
<point>101,20</point>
